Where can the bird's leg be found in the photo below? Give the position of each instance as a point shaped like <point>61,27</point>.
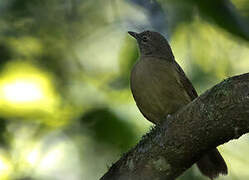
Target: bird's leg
<point>169,116</point>
<point>165,121</point>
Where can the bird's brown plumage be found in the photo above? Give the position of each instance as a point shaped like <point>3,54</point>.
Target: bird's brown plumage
<point>160,87</point>
<point>157,96</point>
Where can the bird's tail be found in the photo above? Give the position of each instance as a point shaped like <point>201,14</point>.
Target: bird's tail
<point>212,164</point>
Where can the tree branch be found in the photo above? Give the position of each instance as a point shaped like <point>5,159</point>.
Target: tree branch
<point>217,116</point>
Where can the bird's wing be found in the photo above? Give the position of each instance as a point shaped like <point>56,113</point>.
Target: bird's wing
<point>187,85</point>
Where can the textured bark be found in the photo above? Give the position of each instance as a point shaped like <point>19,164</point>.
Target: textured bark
<point>217,116</point>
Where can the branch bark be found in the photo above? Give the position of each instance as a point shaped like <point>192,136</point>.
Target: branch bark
<point>217,116</point>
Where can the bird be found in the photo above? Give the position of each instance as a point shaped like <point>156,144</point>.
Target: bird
<point>160,88</point>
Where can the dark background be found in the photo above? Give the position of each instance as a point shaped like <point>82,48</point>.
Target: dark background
<point>66,110</point>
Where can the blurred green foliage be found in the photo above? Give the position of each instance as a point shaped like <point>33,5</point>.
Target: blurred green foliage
<point>66,111</point>
<point>109,128</point>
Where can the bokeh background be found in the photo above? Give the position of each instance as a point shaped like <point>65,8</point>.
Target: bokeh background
<point>66,110</point>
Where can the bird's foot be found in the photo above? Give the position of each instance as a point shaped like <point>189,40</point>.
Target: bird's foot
<point>169,116</point>
<point>166,120</point>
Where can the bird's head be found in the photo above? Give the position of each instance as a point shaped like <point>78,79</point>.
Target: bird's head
<point>152,44</point>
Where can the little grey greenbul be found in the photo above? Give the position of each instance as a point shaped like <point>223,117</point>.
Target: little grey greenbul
<point>160,87</point>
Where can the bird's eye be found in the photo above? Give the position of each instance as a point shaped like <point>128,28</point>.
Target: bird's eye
<point>145,38</point>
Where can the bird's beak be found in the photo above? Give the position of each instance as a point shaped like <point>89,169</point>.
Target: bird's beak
<point>133,34</point>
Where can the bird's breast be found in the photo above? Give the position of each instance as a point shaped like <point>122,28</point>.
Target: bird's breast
<point>157,89</point>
